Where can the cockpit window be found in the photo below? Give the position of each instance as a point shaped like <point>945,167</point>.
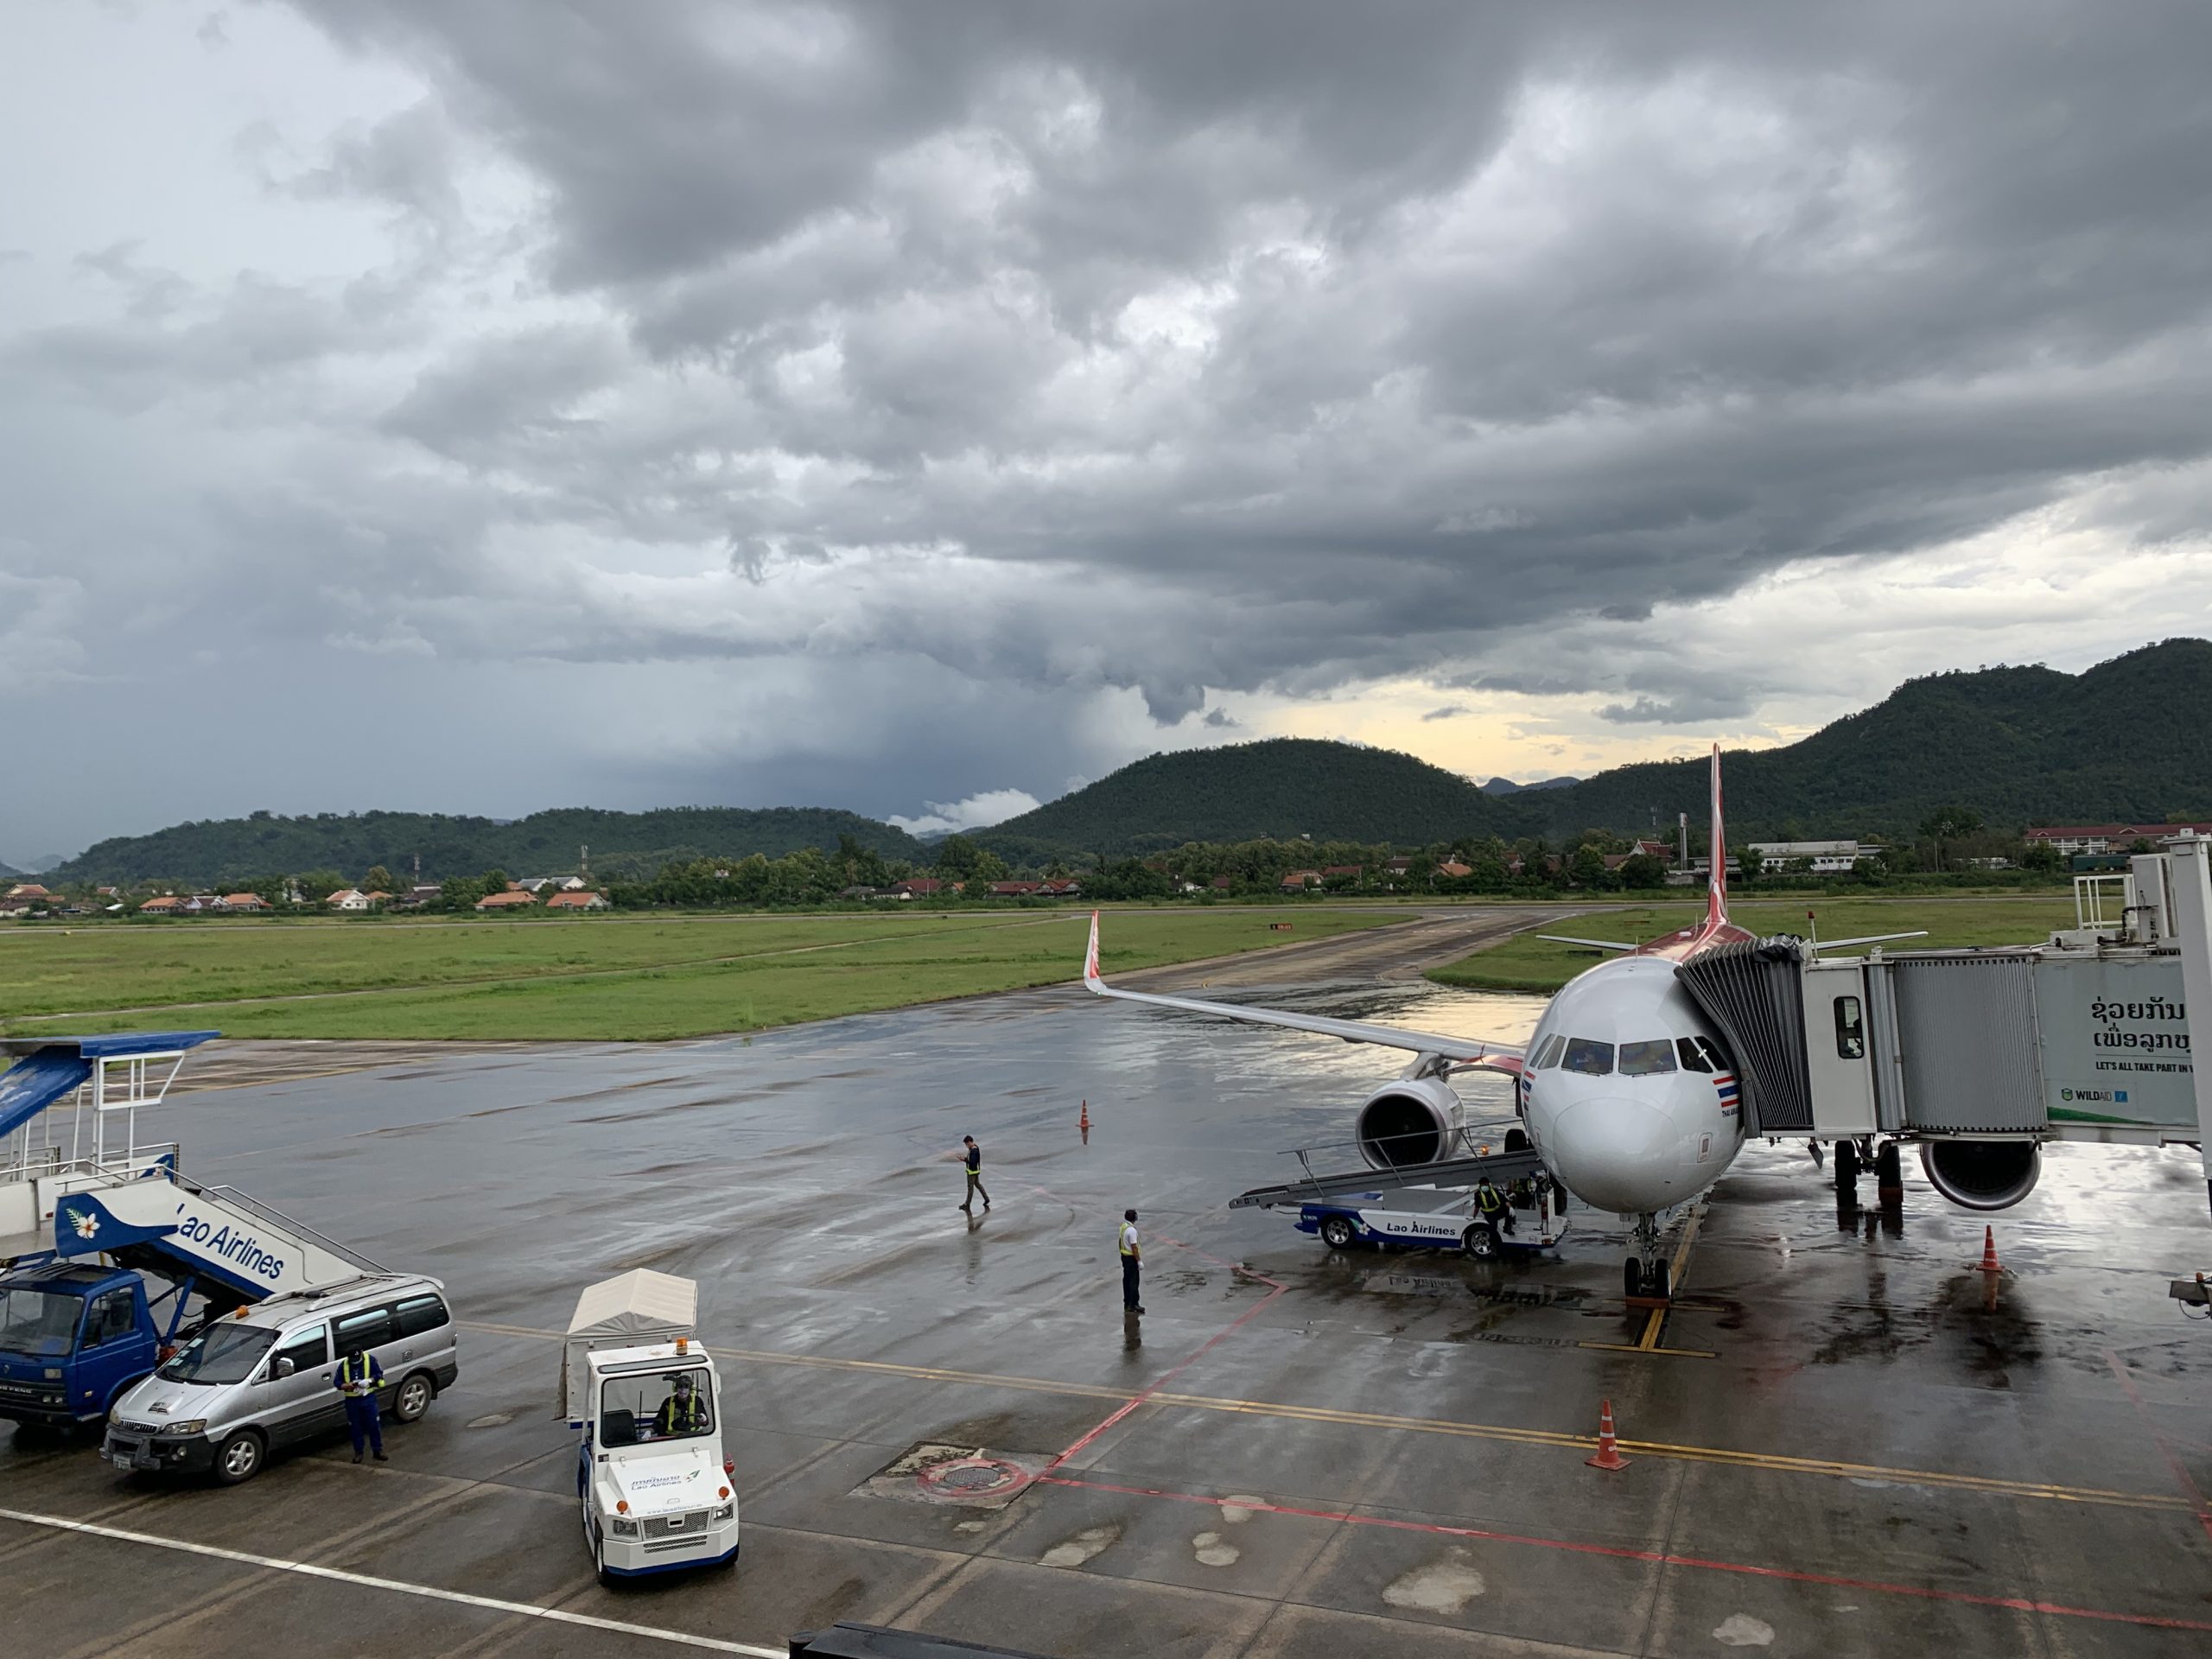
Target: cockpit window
<point>1589,1057</point>
<point>1698,1054</point>
<point>1549,1057</point>
<point>1647,1059</point>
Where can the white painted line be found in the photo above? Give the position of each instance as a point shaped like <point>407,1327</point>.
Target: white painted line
<point>520,1609</point>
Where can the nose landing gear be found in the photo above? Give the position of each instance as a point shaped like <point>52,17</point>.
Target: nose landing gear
<point>1644,1274</point>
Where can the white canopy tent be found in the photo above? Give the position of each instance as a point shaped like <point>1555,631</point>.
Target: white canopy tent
<point>632,1310</point>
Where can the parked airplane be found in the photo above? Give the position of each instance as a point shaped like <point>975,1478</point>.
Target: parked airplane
<point>1626,1089</point>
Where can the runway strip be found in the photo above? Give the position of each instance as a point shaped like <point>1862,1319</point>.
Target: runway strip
<point>1769,1461</point>
<point>519,1609</point>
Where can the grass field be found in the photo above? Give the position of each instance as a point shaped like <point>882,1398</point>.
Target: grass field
<point>601,979</point>
<point>1525,962</point>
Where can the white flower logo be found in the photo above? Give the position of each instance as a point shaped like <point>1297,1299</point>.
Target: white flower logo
<point>86,1222</point>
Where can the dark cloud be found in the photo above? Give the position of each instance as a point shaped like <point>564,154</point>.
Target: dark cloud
<point>1449,711</point>
<point>1101,359</point>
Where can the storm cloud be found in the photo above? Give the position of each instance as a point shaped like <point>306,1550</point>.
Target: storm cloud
<point>910,404</point>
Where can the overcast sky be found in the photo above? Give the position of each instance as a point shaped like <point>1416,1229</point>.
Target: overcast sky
<point>479,407</point>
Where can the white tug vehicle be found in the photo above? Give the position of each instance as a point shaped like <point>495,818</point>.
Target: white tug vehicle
<point>656,1490</point>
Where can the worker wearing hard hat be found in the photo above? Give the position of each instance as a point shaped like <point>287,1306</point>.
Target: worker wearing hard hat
<point>684,1411</point>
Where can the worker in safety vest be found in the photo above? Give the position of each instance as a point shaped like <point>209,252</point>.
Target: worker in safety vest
<point>684,1411</point>
<point>973,1157</point>
<point>1132,1263</point>
<point>1492,1202</point>
<point>358,1378</point>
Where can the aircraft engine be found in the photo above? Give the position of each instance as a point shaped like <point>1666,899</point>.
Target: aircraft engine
<point>1982,1174</point>
<point>1410,1122</point>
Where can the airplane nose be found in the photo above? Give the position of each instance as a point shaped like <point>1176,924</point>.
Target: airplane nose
<point>1615,1155</point>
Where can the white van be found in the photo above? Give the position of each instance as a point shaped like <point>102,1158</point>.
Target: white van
<point>263,1378</point>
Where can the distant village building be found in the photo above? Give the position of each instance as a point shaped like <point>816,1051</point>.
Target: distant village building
<point>576,901</point>
<point>919,886</point>
<point>513,899</point>
<point>1453,867</point>
<point>1824,857</point>
<point>1299,880</point>
<point>2071,839</point>
<point>29,890</point>
<point>165,905</point>
<point>243,903</point>
<point>1014,889</point>
<point>348,899</point>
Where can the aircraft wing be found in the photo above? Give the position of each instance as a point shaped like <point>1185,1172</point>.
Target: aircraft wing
<point>1594,944</point>
<point>1870,939</point>
<point>1465,1050</point>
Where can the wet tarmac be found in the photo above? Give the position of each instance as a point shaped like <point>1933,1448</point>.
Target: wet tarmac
<point>1836,1445</point>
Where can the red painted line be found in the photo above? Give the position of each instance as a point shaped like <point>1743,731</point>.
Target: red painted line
<point>2190,1490</point>
<point>1657,1557</point>
<point>1275,1287</point>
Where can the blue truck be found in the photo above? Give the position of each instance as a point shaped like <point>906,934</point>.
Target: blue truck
<point>75,1335</point>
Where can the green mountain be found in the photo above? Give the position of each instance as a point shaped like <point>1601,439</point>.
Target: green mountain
<point>1284,787</point>
<point>225,850</point>
<point>2129,740</point>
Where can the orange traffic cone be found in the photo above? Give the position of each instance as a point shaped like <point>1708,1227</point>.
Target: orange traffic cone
<point>1988,1262</point>
<point>1609,1450</point>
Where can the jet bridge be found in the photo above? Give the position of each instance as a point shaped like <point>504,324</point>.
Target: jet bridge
<point>1981,1055</point>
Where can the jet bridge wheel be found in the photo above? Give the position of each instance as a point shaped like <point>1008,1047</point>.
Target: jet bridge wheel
<point>1846,1169</point>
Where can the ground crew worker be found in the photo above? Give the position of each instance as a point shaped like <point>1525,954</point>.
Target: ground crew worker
<point>684,1411</point>
<point>1132,1263</point>
<point>359,1378</point>
<point>974,1159</point>
<point>1492,1202</point>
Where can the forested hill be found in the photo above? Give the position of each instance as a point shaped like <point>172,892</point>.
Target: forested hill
<point>2129,740</point>
<point>217,852</point>
<point>1285,787</point>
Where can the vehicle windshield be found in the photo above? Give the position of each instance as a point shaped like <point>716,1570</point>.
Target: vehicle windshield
<point>34,1321</point>
<point>672,1406</point>
<point>1647,1059</point>
<point>1588,1056</point>
<point>224,1352</point>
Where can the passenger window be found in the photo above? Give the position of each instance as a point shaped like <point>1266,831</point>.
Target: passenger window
<point>1850,1032</point>
<point>416,1314</point>
<point>1591,1058</point>
<point>1549,1057</point>
<point>370,1328</point>
<point>1647,1059</point>
<point>309,1350</point>
<point>111,1317</point>
<point>1693,1053</point>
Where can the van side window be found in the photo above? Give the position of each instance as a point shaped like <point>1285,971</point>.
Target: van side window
<point>415,1314</point>
<point>370,1328</point>
<point>1850,1030</point>
<point>308,1350</point>
<point>1549,1057</point>
<point>112,1316</point>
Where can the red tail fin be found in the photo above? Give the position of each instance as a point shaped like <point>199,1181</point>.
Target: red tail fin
<point>1716,886</point>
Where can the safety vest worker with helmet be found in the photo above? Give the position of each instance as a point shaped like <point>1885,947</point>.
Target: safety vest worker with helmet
<point>358,1377</point>
<point>1492,1202</point>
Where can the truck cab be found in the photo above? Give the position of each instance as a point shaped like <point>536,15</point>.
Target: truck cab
<point>656,1490</point>
<point>73,1337</point>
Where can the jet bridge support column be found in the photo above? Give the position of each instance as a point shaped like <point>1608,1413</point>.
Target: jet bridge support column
<point>2190,867</point>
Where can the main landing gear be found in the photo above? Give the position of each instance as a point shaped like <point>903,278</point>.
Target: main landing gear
<point>1644,1274</point>
<point>1851,1157</point>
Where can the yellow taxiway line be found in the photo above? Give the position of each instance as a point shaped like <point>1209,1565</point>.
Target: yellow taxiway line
<point>1769,1462</point>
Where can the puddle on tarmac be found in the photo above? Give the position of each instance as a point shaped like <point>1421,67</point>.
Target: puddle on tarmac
<point>1444,1586</point>
<point>1239,1507</point>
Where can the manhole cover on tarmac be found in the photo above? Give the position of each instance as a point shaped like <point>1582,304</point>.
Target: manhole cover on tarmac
<point>966,1474</point>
